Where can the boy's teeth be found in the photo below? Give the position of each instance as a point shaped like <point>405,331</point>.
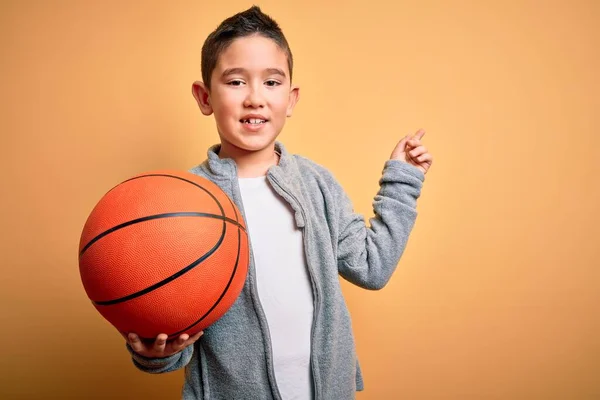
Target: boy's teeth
<point>254,121</point>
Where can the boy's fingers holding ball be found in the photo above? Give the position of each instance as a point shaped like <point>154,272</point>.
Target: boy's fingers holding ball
<point>135,342</point>
<point>161,345</point>
<point>180,342</point>
<point>183,338</point>
<point>160,342</point>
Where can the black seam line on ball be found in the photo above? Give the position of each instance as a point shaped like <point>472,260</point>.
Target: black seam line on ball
<point>166,176</point>
<point>237,260</point>
<point>158,216</point>
<point>169,278</point>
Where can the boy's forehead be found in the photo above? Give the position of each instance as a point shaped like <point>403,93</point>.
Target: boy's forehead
<point>252,53</point>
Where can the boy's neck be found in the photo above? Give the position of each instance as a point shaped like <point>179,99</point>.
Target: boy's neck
<point>250,164</point>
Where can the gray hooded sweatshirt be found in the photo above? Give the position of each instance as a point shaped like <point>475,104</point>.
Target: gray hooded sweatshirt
<point>233,359</point>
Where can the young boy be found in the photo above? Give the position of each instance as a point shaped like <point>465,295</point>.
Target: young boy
<point>288,335</point>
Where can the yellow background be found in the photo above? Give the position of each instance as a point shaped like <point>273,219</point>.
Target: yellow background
<point>497,295</point>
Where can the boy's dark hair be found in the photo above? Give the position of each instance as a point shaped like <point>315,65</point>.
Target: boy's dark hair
<point>246,23</point>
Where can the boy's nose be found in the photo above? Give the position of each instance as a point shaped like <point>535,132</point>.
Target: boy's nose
<point>254,99</point>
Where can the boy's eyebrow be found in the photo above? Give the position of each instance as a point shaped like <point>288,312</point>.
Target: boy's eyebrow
<point>234,71</point>
<point>276,71</point>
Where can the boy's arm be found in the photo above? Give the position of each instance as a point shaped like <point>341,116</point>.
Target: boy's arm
<point>367,256</point>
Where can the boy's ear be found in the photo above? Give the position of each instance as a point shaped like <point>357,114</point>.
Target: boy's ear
<point>294,97</point>
<point>202,96</point>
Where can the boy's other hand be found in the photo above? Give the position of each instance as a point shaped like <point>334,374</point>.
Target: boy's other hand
<point>161,347</point>
<point>411,151</point>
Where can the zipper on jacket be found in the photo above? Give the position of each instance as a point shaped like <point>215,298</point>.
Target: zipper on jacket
<point>262,315</point>
<point>314,286</point>
<point>274,387</point>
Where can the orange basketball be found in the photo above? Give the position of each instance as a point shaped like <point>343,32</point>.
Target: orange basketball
<point>164,252</point>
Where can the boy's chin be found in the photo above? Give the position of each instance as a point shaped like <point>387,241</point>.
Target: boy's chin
<point>253,144</point>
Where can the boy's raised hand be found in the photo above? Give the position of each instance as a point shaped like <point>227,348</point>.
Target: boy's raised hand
<point>411,151</point>
<point>161,347</point>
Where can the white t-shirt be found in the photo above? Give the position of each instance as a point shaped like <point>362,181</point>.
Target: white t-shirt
<point>284,286</point>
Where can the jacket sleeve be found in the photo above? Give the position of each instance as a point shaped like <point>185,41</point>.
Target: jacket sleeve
<point>368,255</point>
<point>161,365</point>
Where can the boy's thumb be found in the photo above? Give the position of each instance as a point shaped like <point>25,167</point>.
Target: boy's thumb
<point>399,149</point>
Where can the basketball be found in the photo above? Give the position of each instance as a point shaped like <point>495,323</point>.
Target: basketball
<point>163,252</point>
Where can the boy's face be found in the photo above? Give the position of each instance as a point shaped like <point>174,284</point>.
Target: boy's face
<point>250,93</point>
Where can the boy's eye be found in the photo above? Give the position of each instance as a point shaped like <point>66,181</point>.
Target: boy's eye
<point>272,82</point>
<point>235,82</point>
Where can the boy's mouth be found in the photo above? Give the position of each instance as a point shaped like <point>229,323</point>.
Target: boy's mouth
<point>253,121</point>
